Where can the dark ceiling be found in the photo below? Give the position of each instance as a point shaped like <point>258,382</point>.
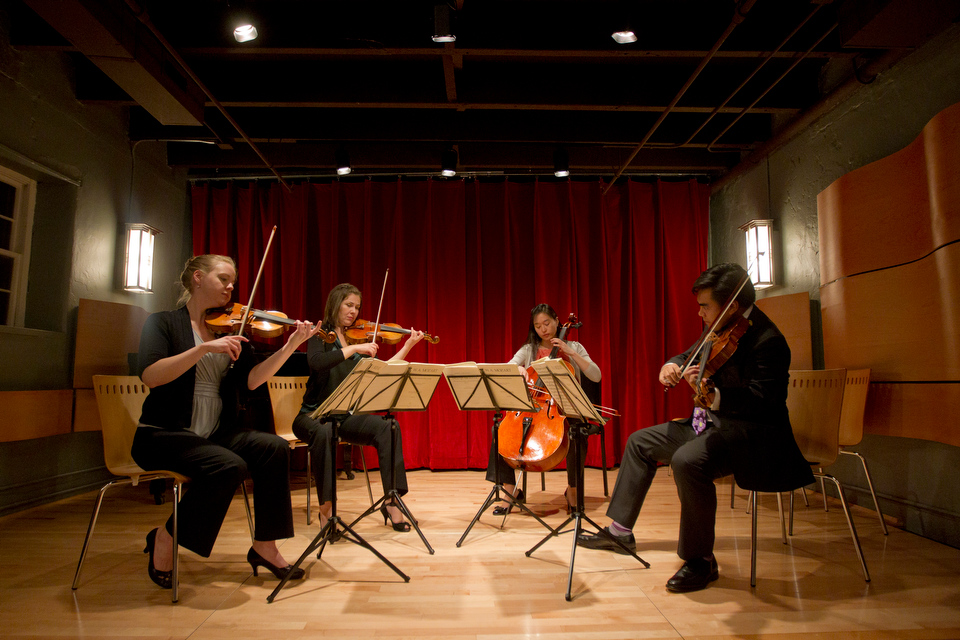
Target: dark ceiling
<point>708,83</point>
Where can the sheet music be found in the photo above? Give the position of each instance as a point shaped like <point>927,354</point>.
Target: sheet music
<point>488,386</point>
<point>418,387</point>
<point>345,396</point>
<point>563,386</point>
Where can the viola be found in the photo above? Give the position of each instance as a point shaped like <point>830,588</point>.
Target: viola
<point>389,333</point>
<point>537,440</point>
<point>265,324</point>
<point>723,345</point>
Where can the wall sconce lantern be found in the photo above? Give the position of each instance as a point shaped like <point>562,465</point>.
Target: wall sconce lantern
<point>760,252</point>
<point>138,264</point>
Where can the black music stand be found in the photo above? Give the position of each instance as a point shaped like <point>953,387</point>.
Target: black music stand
<point>398,386</point>
<point>337,407</point>
<point>579,412</point>
<point>490,387</point>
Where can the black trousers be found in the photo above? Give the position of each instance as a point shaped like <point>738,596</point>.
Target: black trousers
<point>697,460</point>
<point>216,466</point>
<point>372,430</point>
<point>508,474</point>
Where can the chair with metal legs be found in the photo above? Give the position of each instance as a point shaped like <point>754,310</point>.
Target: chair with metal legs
<point>119,402</point>
<point>814,400</point>
<point>286,396</point>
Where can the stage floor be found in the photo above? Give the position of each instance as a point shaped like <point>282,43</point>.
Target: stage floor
<point>487,588</point>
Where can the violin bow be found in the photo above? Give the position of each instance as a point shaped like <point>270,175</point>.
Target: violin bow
<point>253,290</point>
<point>376,325</point>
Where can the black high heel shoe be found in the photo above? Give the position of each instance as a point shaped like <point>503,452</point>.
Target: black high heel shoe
<point>256,560</point>
<point>402,527</point>
<point>566,498</point>
<point>163,579</point>
<point>504,510</point>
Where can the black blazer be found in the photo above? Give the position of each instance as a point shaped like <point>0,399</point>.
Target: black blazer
<point>752,416</point>
<point>170,406</point>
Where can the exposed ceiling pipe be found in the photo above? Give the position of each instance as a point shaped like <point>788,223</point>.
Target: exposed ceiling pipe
<point>769,56</point>
<point>142,16</point>
<point>738,16</point>
<point>799,124</point>
<point>783,75</point>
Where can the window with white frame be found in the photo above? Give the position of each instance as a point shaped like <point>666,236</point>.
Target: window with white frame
<point>17,198</point>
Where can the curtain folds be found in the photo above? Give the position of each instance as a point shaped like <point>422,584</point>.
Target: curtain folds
<point>468,260</point>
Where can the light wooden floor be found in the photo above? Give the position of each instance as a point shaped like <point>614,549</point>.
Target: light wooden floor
<point>487,588</point>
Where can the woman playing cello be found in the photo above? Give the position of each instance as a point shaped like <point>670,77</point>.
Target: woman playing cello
<point>330,363</point>
<point>541,340</point>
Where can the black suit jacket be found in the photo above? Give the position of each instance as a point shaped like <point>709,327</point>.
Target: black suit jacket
<point>752,415</point>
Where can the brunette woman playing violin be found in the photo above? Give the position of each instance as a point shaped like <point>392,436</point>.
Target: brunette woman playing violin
<point>541,340</point>
<point>190,423</point>
<point>740,425</point>
<point>330,363</point>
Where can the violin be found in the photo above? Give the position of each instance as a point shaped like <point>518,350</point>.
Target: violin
<point>537,440</point>
<point>389,333</point>
<point>265,324</point>
<point>723,345</point>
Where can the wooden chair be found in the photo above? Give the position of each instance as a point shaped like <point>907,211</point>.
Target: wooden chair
<point>119,402</point>
<point>851,425</point>
<point>814,399</point>
<point>286,397</point>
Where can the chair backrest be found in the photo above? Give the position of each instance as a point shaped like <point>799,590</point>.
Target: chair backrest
<point>119,401</point>
<point>854,406</point>
<point>814,399</point>
<point>286,396</point>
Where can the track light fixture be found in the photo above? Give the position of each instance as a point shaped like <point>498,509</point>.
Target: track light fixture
<point>625,36</point>
<point>448,163</point>
<point>343,162</point>
<point>443,22</point>
<point>241,21</point>
<point>561,163</point>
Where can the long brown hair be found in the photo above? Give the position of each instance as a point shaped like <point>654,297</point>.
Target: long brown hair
<point>336,297</point>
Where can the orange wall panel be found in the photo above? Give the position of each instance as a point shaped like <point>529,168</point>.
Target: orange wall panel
<point>35,414</point>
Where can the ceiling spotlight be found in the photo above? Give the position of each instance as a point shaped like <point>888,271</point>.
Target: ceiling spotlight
<point>561,163</point>
<point>443,23</point>
<point>624,37</point>
<point>343,162</point>
<point>448,163</point>
<point>245,33</point>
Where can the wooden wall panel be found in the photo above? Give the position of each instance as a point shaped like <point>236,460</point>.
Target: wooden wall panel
<point>890,282</point>
<point>35,414</point>
<point>903,323</point>
<point>922,411</point>
<point>86,416</point>
<point>894,210</point>
<point>791,314</point>
<point>106,333</point>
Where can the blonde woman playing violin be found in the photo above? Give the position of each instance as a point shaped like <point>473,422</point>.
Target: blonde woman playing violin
<point>330,363</point>
<point>541,340</point>
<point>190,423</point>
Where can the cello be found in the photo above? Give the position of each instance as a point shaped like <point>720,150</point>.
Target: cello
<point>537,440</point>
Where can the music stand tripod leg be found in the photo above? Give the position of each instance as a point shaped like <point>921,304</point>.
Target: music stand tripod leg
<point>578,437</point>
<point>330,532</point>
<point>395,496</point>
<point>494,495</point>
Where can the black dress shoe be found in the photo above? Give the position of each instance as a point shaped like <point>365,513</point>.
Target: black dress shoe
<point>602,542</point>
<point>694,575</point>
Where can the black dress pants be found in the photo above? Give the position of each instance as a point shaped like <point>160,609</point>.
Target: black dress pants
<point>216,466</point>
<point>697,460</point>
<point>367,429</point>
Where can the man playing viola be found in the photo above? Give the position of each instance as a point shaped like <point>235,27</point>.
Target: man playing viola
<point>740,426</point>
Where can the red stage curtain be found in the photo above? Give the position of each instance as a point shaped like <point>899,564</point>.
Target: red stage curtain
<point>468,259</point>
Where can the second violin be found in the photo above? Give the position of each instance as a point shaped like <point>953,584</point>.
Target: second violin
<point>388,333</point>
